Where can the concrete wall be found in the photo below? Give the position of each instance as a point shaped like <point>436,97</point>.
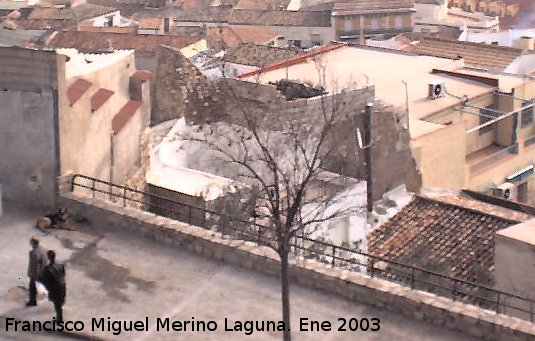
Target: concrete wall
<point>355,286</point>
<point>441,157</point>
<point>431,11</point>
<point>28,118</point>
<point>514,260</point>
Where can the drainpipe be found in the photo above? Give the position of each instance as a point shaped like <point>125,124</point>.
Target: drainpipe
<point>406,103</point>
<point>368,158</point>
<point>112,161</point>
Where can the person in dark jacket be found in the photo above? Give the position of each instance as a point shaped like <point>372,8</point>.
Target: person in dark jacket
<point>53,278</point>
<point>36,265</point>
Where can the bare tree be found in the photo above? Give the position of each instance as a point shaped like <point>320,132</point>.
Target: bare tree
<point>284,161</point>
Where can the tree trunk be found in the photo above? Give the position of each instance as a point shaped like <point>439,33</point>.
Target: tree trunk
<point>285,291</point>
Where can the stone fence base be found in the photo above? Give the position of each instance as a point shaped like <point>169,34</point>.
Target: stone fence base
<point>354,286</point>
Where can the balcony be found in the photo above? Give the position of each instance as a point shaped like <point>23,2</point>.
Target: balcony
<point>488,157</point>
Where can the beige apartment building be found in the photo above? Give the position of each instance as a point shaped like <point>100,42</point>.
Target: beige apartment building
<point>364,19</point>
<point>470,128</point>
<point>489,7</point>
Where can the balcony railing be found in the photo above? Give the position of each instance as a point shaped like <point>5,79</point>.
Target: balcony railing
<point>491,159</point>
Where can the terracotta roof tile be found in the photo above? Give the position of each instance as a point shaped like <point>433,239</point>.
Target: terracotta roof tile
<point>143,44</point>
<point>258,55</point>
<point>143,75</point>
<point>442,237</point>
<point>100,97</point>
<point>295,60</point>
<point>124,115</point>
<point>480,55</point>
<point>234,35</point>
<point>150,23</point>
<point>218,14</point>
<point>77,89</point>
<point>262,4</point>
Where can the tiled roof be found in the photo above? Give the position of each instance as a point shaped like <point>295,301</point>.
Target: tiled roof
<point>235,35</point>
<point>490,57</point>
<point>80,12</point>
<point>262,4</point>
<point>100,97</point>
<point>280,18</point>
<point>443,237</point>
<point>77,90</point>
<point>144,45</point>
<point>218,14</point>
<point>18,37</point>
<point>150,23</point>
<point>142,75</point>
<point>258,55</point>
<point>350,7</point>
<point>465,200</point>
<point>295,60</point>
<point>38,18</point>
<point>124,115</point>
<point>40,24</point>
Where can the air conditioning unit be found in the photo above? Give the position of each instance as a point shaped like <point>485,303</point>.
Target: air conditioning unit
<point>505,191</point>
<point>436,89</point>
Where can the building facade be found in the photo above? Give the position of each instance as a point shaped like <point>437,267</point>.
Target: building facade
<point>65,112</point>
<point>364,19</point>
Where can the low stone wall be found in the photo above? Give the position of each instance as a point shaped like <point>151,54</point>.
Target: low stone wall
<point>391,296</point>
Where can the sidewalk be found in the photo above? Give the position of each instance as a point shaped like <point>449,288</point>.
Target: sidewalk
<point>125,277</point>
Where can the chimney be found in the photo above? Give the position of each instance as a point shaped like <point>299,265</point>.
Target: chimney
<point>526,43</point>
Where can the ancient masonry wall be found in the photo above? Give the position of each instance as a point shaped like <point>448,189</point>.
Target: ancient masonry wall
<point>415,304</point>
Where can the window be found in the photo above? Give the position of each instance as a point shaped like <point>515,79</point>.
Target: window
<point>315,39</point>
<point>348,24</point>
<point>486,115</point>
<point>398,22</point>
<point>527,114</point>
<point>375,24</point>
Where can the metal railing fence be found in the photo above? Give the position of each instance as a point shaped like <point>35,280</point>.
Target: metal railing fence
<point>334,255</point>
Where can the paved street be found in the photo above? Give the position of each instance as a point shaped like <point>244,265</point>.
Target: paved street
<point>127,278</point>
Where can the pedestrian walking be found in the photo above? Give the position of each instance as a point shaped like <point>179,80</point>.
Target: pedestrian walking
<point>53,278</point>
<point>37,262</point>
